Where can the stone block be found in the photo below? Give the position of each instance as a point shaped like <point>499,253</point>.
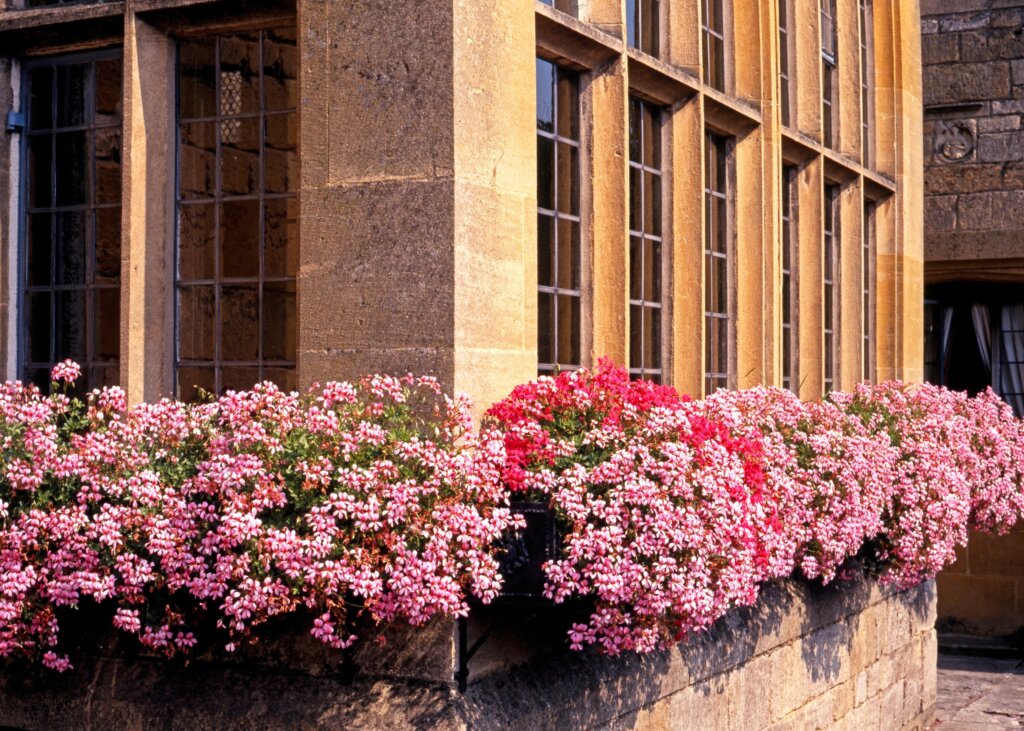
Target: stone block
<point>843,699</point>
<point>940,48</point>
<point>866,717</point>
<point>891,711</point>
<point>860,690</point>
<point>948,179</point>
<point>1013,175</point>
<point>1001,147</point>
<point>1002,123</point>
<point>1011,18</point>
<point>956,23</point>
<point>930,668</point>
<point>974,212</point>
<point>990,46</point>
<point>391,92</point>
<point>880,677</point>
<point>940,213</point>
<point>361,285</point>
<point>912,700</point>
<point>1007,106</point>
<point>929,25</point>
<point>956,83</point>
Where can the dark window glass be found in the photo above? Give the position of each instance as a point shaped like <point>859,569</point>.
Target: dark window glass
<point>566,6</point>
<point>784,72</point>
<point>645,241</point>
<point>643,25</point>
<point>789,263</point>
<point>830,294</point>
<point>866,81</point>
<point>558,218</point>
<point>237,211</point>
<point>713,27</point>
<point>829,88</point>
<point>718,313</point>
<point>72,219</point>
<point>934,315</point>
<point>868,298</point>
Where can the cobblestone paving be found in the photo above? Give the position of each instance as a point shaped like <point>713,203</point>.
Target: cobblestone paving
<point>979,694</point>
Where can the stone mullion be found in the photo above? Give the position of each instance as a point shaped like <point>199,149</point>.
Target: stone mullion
<point>495,200</point>
<point>850,284</point>
<point>806,64</point>
<point>848,78</point>
<point>685,164</point>
<point>752,268</point>
<point>604,208</point>
<point>908,113</point>
<point>809,280</point>
<point>148,241</point>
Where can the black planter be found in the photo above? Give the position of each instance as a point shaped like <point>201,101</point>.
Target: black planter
<point>522,554</point>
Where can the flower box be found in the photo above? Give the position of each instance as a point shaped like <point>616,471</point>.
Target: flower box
<point>522,553</point>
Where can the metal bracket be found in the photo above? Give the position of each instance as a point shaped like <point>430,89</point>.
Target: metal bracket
<point>15,121</point>
<point>466,652</point>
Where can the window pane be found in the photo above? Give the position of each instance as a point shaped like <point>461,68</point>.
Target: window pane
<point>72,217</point>
<point>281,232</point>
<point>239,311</point>
<point>197,241</point>
<point>71,247</point>
<point>241,161</point>
<point>196,308</point>
<point>240,239</point>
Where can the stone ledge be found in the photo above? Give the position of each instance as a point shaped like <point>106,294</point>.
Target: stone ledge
<point>804,657</point>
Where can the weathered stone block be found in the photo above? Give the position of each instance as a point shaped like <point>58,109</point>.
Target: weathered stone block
<point>940,213</point>
<point>1002,123</point>
<point>974,212</point>
<point>940,48</point>
<point>1011,18</point>
<point>954,83</point>
<point>990,46</point>
<point>945,179</point>
<point>1001,147</point>
<point>971,21</point>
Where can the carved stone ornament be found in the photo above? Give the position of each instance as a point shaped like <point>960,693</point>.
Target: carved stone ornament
<point>954,141</point>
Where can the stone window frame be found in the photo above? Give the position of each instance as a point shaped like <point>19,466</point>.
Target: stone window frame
<point>146,40</point>
<point>92,362</point>
<point>787,54</point>
<point>555,292</point>
<point>869,289</point>
<point>865,17</point>
<point>640,307</point>
<point>640,15</point>
<point>829,73</point>
<point>790,272</point>
<point>832,284</point>
<point>719,245</point>
<point>715,19</point>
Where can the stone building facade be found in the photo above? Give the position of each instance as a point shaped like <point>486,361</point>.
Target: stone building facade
<point>973,56</point>
<point>716,193</point>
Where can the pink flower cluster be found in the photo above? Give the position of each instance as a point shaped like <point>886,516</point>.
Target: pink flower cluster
<point>199,522</point>
<point>194,524</point>
<point>674,511</point>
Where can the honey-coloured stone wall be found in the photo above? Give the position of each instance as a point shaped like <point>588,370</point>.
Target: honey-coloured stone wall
<point>851,655</point>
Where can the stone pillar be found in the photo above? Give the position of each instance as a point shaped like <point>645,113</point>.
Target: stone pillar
<point>685,165</point>
<point>147,218</point>
<point>417,241</point>
<point>606,228</point>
